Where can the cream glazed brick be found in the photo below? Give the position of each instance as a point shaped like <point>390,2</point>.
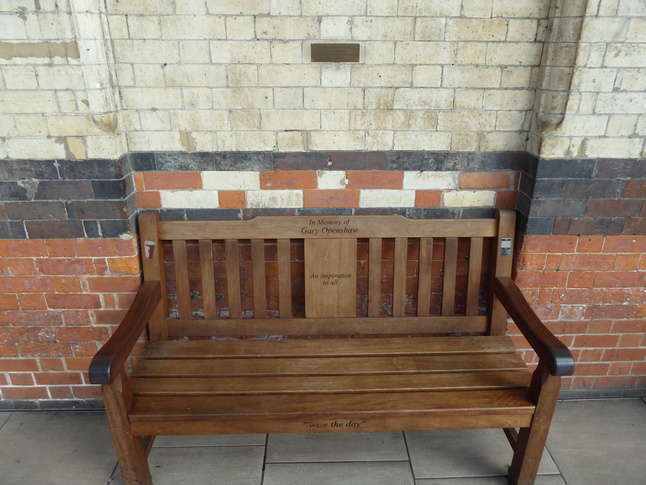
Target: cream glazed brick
<point>275,27</point>
<point>337,140</point>
<point>240,52</point>
<point>241,28</point>
<point>469,198</point>
<point>336,28</point>
<point>189,199</point>
<point>332,179</point>
<point>279,120</point>
<point>231,180</point>
<point>193,27</point>
<point>430,180</point>
<point>333,98</point>
<point>422,140</point>
<point>383,28</point>
<point>269,199</point>
<point>386,198</point>
<point>238,7</point>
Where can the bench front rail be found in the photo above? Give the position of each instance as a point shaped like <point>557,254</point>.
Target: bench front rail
<point>273,308</point>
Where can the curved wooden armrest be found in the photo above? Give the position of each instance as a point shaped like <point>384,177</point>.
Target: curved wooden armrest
<point>113,355</point>
<point>552,352</point>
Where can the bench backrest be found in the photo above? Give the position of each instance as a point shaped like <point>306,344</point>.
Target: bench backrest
<point>326,275</point>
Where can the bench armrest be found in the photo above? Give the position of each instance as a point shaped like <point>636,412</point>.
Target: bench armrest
<point>110,358</point>
<point>552,352</point>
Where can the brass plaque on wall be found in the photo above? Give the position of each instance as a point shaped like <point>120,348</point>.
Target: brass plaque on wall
<point>335,52</point>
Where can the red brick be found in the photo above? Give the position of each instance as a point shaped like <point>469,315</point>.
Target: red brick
<point>615,381</point>
<point>61,248</point>
<point>611,311</point>
<point>61,392</point>
<point>580,280</point>
<point>428,198</point>
<point>20,379</point>
<point>66,266</point>
<point>67,284</point>
<point>34,248</point>
<point>627,262</point>
<point>77,317</point>
<point>506,199</point>
<point>625,244</point>
<point>51,364</point>
<point>484,180</point>
<point>617,295</point>
<point>78,363</point>
<point>172,180</point>
<point>587,262</point>
<point>572,312</point>
<point>375,179</point>
<point>612,208</point>
<point>542,280</point>
<point>85,349</point>
<point>30,301</point>
<point>634,189</point>
<point>73,301</point>
<point>624,355</point>
<point>285,180</point>
<point>101,266</point>
<point>20,266</point>
<point>331,198</point>
<point>619,280</point>
<point>58,378</point>
<point>8,302</point>
<point>596,341</point>
<point>138,178</point>
<point>553,262</point>
<point>124,266</point>
<point>106,247</point>
<point>81,334</point>
<point>549,244</point>
<point>232,199</point>
<point>30,393</point>
<point>25,284</point>
<point>87,392</point>
<point>599,326</point>
<point>18,365</point>
<point>590,244</point>
<point>114,284</point>
<point>629,326</point>
<point>148,200</point>
<point>591,369</point>
<point>44,349</point>
<point>630,340</point>
<point>109,317</point>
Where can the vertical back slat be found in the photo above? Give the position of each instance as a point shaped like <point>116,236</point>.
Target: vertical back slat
<point>475,270</point>
<point>208,278</point>
<point>259,285</point>
<point>450,268</point>
<point>154,270</point>
<point>399,282</point>
<point>374,277</point>
<point>284,279</point>
<point>181,278</point>
<point>501,261</point>
<point>232,258</point>
<point>424,277</point>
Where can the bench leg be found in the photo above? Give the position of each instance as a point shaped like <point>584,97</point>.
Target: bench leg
<point>530,443</point>
<point>131,450</point>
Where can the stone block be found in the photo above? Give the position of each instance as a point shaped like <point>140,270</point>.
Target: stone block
<point>144,27</point>
<point>472,77</point>
<point>386,8</point>
<point>469,198</point>
<point>231,180</point>
<point>336,28</point>
<point>335,75</point>
<point>514,53</point>
<point>379,120</point>
<point>521,8</point>
<point>337,140</point>
<point>286,52</point>
<point>274,27</point>
<point>189,199</point>
<point>285,7</point>
<point>151,98</point>
<point>264,199</point>
<point>199,120</point>
<point>331,180</point>
<point>335,119</point>
<point>279,120</point>
<point>339,7</point>
<point>512,99</point>
<point>422,140</point>
<point>461,29</point>
<point>381,76</point>
<point>239,98</point>
<point>383,28</point>
<point>430,180</point>
<point>146,51</point>
<point>149,75</point>
<point>621,103</point>
<point>241,28</point>
<point>333,98</point>
<point>386,198</point>
<point>242,75</point>
<point>466,120</point>
<point>471,53</point>
<point>625,55</point>
<point>423,98</point>
<point>239,51</point>
<point>425,53</point>
<point>238,7</point>
<point>206,75</point>
<point>379,52</point>
<point>429,28</point>
<point>289,75</point>
<point>427,76</point>
<point>468,99</point>
<point>430,9</point>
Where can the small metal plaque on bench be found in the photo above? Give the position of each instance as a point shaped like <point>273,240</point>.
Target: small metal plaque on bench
<point>335,52</point>
<point>505,246</point>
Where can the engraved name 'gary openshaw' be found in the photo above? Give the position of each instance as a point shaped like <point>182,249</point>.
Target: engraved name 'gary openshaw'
<point>326,227</point>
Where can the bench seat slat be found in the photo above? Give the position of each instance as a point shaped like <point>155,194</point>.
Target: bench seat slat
<point>160,408</point>
<point>294,366</point>
<point>332,347</point>
<point>326,326</point>
<point>211,386</point>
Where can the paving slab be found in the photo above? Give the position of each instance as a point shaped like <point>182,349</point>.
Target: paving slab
<point>600,442</point>
<point>210,440</point>
<point>319,447</point>
<point>4,416</point>
<point>213,465</point>
<point>63,448</point>
<point>373,473</point>
<point>540,480</point>
<point>464,453</point>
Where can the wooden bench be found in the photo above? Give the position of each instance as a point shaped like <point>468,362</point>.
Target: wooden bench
<point>252,327</point>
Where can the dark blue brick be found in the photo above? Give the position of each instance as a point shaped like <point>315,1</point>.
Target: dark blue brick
<point>565,169</point>
<point>54,229</point>
<point>64,190</point>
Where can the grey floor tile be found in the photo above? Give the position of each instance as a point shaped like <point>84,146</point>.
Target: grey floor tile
<point>464,453</point>
<point>215,465</point>
<point>210,440</point>
<point>540,480</point>
<point>65,448</point>
<point>4,416</point>
<point>375,473</point>
<point>318,447</point>
<point>600,442</point>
